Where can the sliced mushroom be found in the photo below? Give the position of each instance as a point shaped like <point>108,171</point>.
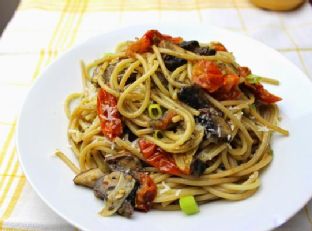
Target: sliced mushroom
<point>124,163</point>
<point>193,96</point>
<point>126,209</point>
<point>101,187</point>
<point>172,62</point>
<point>108,72</point>
<point>196,48</point>
<point>88,178</point>
<point>206,51</point>
<point>131,78</point>
<point>128,134</point>
<point>132,195</point>
<point>210,118</point>
<point>162,78</point>
<point>189,45</point>
<point>198,167</point>
<point>114,188</point>
<point>215,125</point>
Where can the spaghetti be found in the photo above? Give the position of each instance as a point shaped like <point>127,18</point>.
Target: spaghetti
<point>163,118</point>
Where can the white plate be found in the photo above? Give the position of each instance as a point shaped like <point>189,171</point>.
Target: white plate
<point>286,184</point>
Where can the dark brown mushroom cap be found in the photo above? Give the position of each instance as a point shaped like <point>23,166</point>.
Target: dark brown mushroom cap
<point>88,178</point>
<point>114,188</point>
<point>106,184</point>
<point>124,162</point>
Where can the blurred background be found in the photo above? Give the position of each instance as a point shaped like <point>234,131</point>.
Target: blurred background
<point>7,8</point>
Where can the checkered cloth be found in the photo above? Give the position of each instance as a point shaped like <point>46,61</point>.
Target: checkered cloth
<point>42,29</point>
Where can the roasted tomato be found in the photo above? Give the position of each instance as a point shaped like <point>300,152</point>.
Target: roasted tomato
<point>150,38</point>
<point>108,114</point>
<point>207,75</point>
<point>262,94</point>
<point>244,71</point>
<point>230,82</point>
<point>257,88</point>
<point>164,122</point>
<point>229,90</point>
<point>146,193</point>
<point>158,158</point>
<point>223,95</point>
<point>218,47</point>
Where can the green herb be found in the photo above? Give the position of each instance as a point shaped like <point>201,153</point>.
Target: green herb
<point>154,111</point>
<point>157,134</point>
<point>188,205</point>
<point>253,79</point>
<point>253,106</point>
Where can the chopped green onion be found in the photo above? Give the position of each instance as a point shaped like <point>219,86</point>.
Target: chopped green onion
<point>188,205</point>
<point>253,79</point>
<point>154,111</point>
<point>157,134</point>
<point>253,106</point>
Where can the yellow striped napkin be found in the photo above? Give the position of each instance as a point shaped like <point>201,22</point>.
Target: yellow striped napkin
<point>42,29</point>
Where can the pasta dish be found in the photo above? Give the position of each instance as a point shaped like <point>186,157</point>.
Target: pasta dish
<point>164,123</point>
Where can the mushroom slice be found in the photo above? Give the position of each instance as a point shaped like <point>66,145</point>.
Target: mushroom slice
<point>214,124</point>
<point>124,162</point>
<point>114,188</point>
<point>126,209</point>
<point>89,177</point>
<point>194,96</point>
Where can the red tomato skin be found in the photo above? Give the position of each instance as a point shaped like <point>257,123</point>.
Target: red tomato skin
<point>158,158</point>
<point>110,128</point>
